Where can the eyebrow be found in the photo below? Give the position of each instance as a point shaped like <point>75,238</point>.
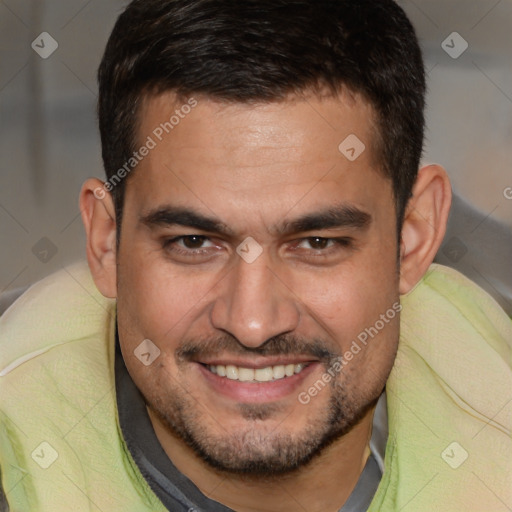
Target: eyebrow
<point>340,216</point>
<point>177,216</point>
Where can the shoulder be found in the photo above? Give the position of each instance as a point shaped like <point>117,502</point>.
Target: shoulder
<point>62,308</point>
<point>446,305</point>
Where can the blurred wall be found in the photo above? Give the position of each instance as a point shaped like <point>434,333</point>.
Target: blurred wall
<point>49,142</point>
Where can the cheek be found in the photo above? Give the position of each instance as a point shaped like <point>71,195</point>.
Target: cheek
<point>157,301</point>
<point>366,323</point>
<point>373,323</point>
<point>357,307</point>
<point>349,300</point>
<point>151,306</point>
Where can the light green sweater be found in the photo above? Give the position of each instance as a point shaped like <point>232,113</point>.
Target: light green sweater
<point>449,403</point>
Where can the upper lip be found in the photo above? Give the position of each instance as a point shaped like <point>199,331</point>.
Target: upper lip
<point>258,362</point>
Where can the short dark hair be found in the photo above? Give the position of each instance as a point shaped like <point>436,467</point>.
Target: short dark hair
<point>261,51</point>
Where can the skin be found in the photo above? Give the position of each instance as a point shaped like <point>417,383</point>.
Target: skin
<point>256,169</point>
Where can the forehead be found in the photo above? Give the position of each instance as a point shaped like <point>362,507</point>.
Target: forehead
<point>299,119</point>
<point>256,154</point>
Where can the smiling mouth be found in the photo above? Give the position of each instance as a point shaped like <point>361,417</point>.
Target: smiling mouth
<point>267,374</point>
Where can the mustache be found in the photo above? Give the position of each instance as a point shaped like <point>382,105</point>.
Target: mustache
<point>281,345</point>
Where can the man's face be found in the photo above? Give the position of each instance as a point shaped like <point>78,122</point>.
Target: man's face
<point>249,328</point>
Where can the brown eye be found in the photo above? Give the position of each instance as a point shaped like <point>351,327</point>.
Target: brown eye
<point>323,245</point>
<point>193,241</point>
<point>318,243</point>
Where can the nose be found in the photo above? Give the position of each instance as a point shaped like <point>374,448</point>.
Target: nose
<point>254,304</point>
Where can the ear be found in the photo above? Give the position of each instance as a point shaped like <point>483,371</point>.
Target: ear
<point>424,224</point>
<point>98,216</point>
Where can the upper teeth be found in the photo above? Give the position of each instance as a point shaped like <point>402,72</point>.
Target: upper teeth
<point>259,375</point>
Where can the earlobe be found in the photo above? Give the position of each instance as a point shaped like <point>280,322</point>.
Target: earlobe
<point>98,216</point>
<point>424,224</point>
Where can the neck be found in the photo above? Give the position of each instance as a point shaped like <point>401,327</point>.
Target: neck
<point>322,485</point>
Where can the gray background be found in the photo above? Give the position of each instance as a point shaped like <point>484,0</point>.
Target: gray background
<point>49,142</point>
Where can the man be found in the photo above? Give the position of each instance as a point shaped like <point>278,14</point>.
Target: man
<point>263,241</point>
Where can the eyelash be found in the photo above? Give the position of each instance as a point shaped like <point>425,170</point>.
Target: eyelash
<point>341,242</point>
<point>170,244</point>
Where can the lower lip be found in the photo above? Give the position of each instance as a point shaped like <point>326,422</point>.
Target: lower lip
<point>258,392</point>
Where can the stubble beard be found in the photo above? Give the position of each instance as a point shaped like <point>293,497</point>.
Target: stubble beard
<point>258,450</point>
